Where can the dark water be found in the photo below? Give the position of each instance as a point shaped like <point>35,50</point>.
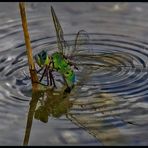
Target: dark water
<point>110,106</point>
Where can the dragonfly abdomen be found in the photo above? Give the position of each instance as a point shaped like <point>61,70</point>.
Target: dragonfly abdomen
<point>61,65</point>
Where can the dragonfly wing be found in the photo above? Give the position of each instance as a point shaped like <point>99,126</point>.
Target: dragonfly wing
<point>82,42</point>
<point>59,32</point>
<point>81,47</point>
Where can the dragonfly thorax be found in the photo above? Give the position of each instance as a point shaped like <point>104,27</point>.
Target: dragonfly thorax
<point>60,62</point>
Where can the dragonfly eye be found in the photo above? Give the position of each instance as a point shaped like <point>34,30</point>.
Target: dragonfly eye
<point>43,55</point>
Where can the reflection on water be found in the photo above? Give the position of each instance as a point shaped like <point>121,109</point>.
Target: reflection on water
<point>46,103</point>
<point>109,102</point>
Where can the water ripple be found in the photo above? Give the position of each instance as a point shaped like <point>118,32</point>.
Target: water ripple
<point>112,84</point>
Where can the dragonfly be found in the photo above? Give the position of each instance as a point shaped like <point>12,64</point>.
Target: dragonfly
<point>61,60</point>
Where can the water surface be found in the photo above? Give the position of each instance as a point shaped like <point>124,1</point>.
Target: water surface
<point>110,95</point>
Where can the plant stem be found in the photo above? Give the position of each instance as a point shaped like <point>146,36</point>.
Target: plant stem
<point>32,70</point>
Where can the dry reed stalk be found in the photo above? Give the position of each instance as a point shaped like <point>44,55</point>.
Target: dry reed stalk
<point>33,73</point>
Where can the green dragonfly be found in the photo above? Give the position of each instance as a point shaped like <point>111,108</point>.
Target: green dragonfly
<point>60,61</point>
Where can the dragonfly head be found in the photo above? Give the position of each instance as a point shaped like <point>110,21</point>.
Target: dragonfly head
<point>42,58</point>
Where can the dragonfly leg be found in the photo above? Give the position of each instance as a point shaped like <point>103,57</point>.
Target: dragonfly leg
<point>43,75</point>
<point>52,79</point>
<point>40,83</point>
<point>54,82</point>
<point>73,64</point>
<point>40,69</point>
<point>47,76</point>
<point>76,67</point>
